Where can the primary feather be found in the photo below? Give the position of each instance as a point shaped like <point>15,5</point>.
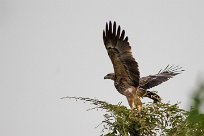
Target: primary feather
<point>119,51</point>
<point>126,74</point>
<point>162,76</point>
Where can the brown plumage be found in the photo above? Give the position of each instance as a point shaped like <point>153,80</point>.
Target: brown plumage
<point>162,76</point>
<point>152,81</point>
<point>126,77</point>
<point>126,74</point>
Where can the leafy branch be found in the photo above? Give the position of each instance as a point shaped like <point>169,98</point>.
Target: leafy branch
<point>155,119</point>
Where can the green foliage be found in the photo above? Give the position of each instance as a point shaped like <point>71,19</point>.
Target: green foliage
<point>155,119</point>
<point>195,117</point>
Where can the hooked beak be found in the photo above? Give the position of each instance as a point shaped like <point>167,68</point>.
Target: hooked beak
<point>105,77</point>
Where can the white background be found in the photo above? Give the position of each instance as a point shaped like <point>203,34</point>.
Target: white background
<point>53,48</point>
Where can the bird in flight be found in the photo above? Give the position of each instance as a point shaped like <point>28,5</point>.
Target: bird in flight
<point>126,74</point>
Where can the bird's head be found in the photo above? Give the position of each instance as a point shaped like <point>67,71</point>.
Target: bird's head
<point>110,76</point>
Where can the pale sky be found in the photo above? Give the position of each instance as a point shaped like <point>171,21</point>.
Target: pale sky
<point>53,48</point>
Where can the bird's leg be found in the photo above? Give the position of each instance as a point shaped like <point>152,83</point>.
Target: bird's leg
<point>131,101</point>
<point>139,107</point>
<point>138,103</point>
<point>135,102</point>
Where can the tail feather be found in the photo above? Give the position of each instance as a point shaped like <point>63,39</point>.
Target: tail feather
<point>156,98</point>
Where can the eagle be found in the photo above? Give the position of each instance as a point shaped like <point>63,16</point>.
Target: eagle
<point>126,74</point>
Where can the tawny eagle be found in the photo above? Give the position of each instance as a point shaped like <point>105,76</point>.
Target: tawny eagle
<point>126,74</point>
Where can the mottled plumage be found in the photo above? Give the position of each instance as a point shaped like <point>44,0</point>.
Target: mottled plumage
<point>153,80</point>
<point>126,74</point>
<point>126,77</point>
<point>162,76</point>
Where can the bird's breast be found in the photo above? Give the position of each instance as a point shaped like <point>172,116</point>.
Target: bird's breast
<point>124,88</point>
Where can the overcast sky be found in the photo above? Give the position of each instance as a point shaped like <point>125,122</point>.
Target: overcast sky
<point>54,48</point>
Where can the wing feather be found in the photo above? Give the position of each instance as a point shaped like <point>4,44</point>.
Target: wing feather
<point>119,51</point>
<point>162,76</point>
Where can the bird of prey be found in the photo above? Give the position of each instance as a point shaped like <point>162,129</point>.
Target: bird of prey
<point>126,74</point>
<point>153,80</point>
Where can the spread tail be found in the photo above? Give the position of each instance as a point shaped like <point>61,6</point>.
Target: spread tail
<point>156,98</point>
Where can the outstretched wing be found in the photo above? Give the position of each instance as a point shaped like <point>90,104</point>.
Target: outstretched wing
<point>119,51</point>
<point>162,76</point>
